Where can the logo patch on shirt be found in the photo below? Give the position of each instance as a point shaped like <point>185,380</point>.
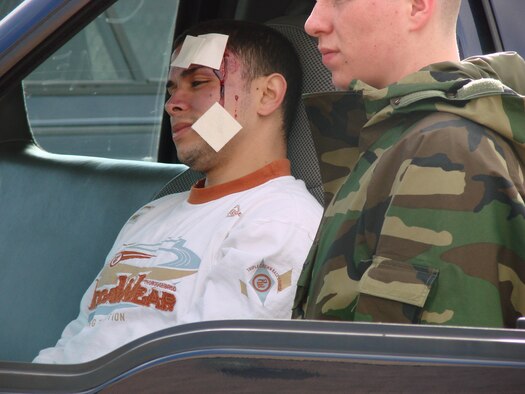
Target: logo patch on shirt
<point>264,279</point>
<point>235,211</point>
<point>262,283</point>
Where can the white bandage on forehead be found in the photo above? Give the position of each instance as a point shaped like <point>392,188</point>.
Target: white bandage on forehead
<point>205,50</point>
<point>216,126</point>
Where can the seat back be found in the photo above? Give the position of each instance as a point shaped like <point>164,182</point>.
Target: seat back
<point>316,78</point>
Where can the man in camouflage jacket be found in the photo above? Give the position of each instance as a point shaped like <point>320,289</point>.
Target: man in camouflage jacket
<point>424,178</point>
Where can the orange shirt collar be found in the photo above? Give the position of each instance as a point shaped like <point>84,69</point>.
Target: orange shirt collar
<point>200,194</point>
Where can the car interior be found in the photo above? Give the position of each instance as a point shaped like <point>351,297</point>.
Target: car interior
<point>61,213</point>
<point>65,219</point>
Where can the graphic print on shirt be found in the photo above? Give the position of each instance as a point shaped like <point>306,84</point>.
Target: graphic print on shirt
<point>142,284</point>
<point>235,211</point>
<point>264,279</point>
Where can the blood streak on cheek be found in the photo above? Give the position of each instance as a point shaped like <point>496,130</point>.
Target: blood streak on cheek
<point>236,104</point>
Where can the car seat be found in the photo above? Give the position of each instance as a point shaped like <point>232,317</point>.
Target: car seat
<point>316,78</point>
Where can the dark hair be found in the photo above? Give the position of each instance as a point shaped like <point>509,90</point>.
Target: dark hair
<point>263,51</point>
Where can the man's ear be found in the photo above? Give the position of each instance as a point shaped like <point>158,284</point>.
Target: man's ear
<point>421,13</point>
<point>273,89</point>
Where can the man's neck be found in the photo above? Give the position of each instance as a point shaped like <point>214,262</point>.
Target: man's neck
<point>200,193</point>
<point>232,171</point>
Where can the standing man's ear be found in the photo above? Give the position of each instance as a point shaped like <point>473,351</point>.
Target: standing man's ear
<point>421,12</point>
<point>272,90</point>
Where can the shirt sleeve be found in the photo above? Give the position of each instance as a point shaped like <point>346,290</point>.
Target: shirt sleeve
<point>258,264</point>
<point>456,219</point>
<point>55,354</point>
<point>58,353</point>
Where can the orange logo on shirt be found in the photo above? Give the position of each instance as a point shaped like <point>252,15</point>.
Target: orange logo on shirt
<point>127,255</point>
<point>235,211</point>
<point>261,283</point>
<point>130,289</point>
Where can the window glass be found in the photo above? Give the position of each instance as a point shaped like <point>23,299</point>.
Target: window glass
<point>102,93</point>
<point>510,15</point>
<point>146,44</point>
<point>469,42</point>
<point>6,6</point>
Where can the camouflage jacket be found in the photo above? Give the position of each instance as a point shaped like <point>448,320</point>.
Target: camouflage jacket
<point>425,213</point>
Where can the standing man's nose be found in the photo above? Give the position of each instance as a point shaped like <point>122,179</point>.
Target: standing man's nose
<point>317,22</point>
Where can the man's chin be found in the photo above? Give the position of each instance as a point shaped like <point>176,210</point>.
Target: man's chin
<point>197,162</point>
<point>340,83</point>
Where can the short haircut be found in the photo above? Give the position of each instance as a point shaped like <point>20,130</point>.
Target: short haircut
<point>263,51</point>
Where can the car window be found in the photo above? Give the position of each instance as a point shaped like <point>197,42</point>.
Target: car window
<point>7,6</point>
<point>468,37</point>
<point>509,16</point>
<point>102,93</point>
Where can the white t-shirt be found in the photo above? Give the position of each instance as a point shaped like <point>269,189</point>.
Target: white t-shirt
<point>231,251</point>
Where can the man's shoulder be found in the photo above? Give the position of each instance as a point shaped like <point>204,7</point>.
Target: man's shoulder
<point>157,206</point>
<point>288,188</point>
<point>446,130</point>
<point>440,121</point>
<point>283,197</point>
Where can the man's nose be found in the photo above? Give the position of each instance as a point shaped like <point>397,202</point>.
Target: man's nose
<point>176,103</point>
<point>318,22</point>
